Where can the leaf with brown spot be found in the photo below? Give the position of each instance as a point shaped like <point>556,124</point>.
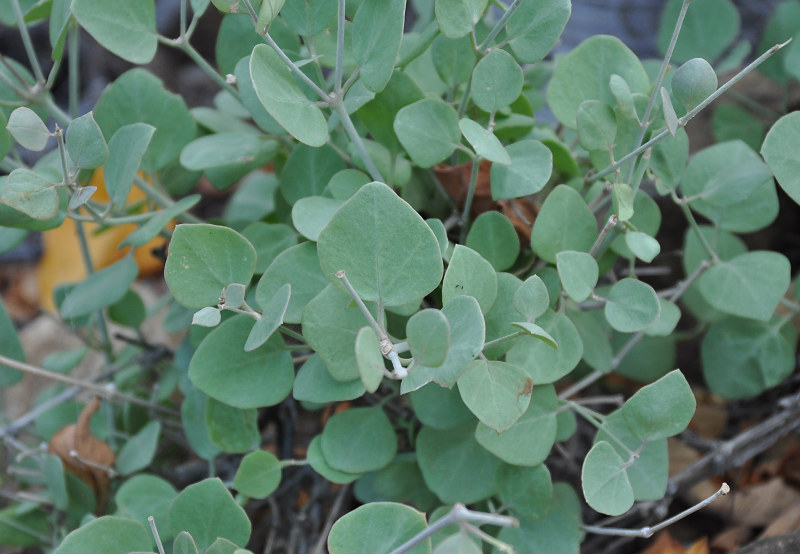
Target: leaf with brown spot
<point>94,457</point>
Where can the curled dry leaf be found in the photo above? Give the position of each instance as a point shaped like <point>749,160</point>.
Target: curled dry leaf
<point>94,457</point>
<point>455,180</point>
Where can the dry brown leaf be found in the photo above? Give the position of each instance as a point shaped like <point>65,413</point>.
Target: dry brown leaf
<point>711,417</point>
<point>760,505</point>
<point>666,544</point>
<point>731,538</point>
<point>78,438</point>
<point>787,522</point>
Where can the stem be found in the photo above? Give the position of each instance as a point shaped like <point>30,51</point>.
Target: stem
<point>473,180</point>
<point>163,200</point>
<point>183,21</point>
<point>498,27</point>
<point>104,390</point>
<point>685,119</point>
<point>687,212</point>
<point>73,68</point>
<point>303,77</point>
<point>347,123</point>
<point>26,40</point>
<point>337,79</point>
<point>423,41</point>
<point>150,519</point>
<point>290,333</point>
<point>610,224</point>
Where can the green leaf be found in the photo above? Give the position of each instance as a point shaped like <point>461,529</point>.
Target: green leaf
<point>308,17</point>
<point>207,510</point>
<point>369,359</point>
<point>56,482</point>
<point>584,73</point>
<point>330,326</point>
<point>578,272</point>
<point>780,156</point>
<point>231,429</point>
<point>455,466</point>
<point>782,25</point>
<point>693,82</point>
<point>529,441</point>
<point>31,194</point>
<point>453,59</point>
<point>605,482</point>
<point>535,27</point>
<point>107,534</point>
<point>203,259</point>
<point>564,223</point>
<point>308,171</point>
<point>259,474</point>
<point>314,383</point>
<point>267,14</point>
<point>428,130</point>
<point>527,490</point>
<point>632,305</point>
<point>311,214</point>
<point>221,367</point>
<point>493,236</point>
<point>223,149</point>
<point>283,98</point>
<point>138,452</point>
<point>670,117</point>
<point>100,289</point>
<point>642,245</point>
<point>126,150</point>
<point>535,331</point>
<point>138,96</point>
<point>253,200</point>
<point>456,18</point>
<point>428,336</point>
<point>10,347</point>
<point>439,407</point>
<point>222,546</point>
<point>528,173</point>
<point>469,274</point>
<point>498,393</point>
<point>622,195</point>
<point>146,495</point>
<point>359,440</point>
<point>271,318</point>
<point>661,409</point>
<point>297,266</point>
<point>597,352</point>
<point>155,224</point>
<point>193,418</point>
<point>732,122</point>
<point>750,285</point>
<point>483,141</point>
<point>379,528</point>
<point>597,125</point>
<point>85,143</point>
<point>127,29</point>
<point>318,462</point>
<point>270,240</point>
<point>697,37</point>
<point>377,32</point>
<point>544,363</point>
<point>207,317</point>
<point>28,129</point>
<point>184,543</point>
<point>532,298</point>
<point>668,160</point>
<point>667,319</point>
<point>467,333</point>
<point>496,81</point>
<point>743,357</point>
<point>373,238</point>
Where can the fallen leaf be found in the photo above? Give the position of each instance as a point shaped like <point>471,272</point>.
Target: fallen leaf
<point>787,522</point>
<point>760,505</point>
<point>731,538</point>
<point>94,457</point>
<point>666,544</point>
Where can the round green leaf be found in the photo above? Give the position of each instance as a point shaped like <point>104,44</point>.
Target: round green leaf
<point>743,357</point>
<point>544,363</point>
<point>781,157</point>
<point>564,223</point>
<point>85,143</point>
<point>269,240</point>
<point>440,407</point>
<point>271,318</point>
<point>453,59</point>
<point>483,141</point>
<point>222,368</point>
<point>308,17</point>
<point>668,160</point>
<point>528,173</point>
<point>584,73</point>
<point>184,543</point>
<point>731,122</point>
<point>107,534</point>
<point>222,149</point>
<point>127,29</point>
<point>203,259</point>
<point>578,272</point>
<point>379,528</point>
<point>318,462</point>
<point>138,452</point>
<point>535,331</point>
<point>493,237</point>
<point>529,441</point>
<point>642,245</point>
<point>667,319</point>
<point>593,332</point>
<point>369,359</point>
<point>283,99</point>
<point>259,474</point>
<point>632,305</point>
<point>359,440</point>
<point>502,316</point>
<point>661,409</point>
<point>456,18</point>
<point>428,336</point>
<point>146,495</point>
<point>308,171</point>
<point>693,82</point>
<point>469,274</point>
<point>100,289</point>
<point>207,511</point>
<point>231,429</point>
<point>374,237</point>
<point>428,130</point>
<point>496,81</point>
<point>31,194</point>
<point>209,316</point>
<point>28,129</point>
<point>532,298</point>
<point>455,466</point>
<point>377,33</point>
<point>314,383</point>
<point>605,483</point>
<point>527,490</point>
<point>535,27</point>
<point>597,125</point>
<point>750,285</point>
<point>312,213</point>
<point>498,393</point>
<point>697,37</point>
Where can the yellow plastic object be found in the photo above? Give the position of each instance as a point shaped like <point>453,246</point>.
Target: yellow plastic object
<point>62,261</point>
